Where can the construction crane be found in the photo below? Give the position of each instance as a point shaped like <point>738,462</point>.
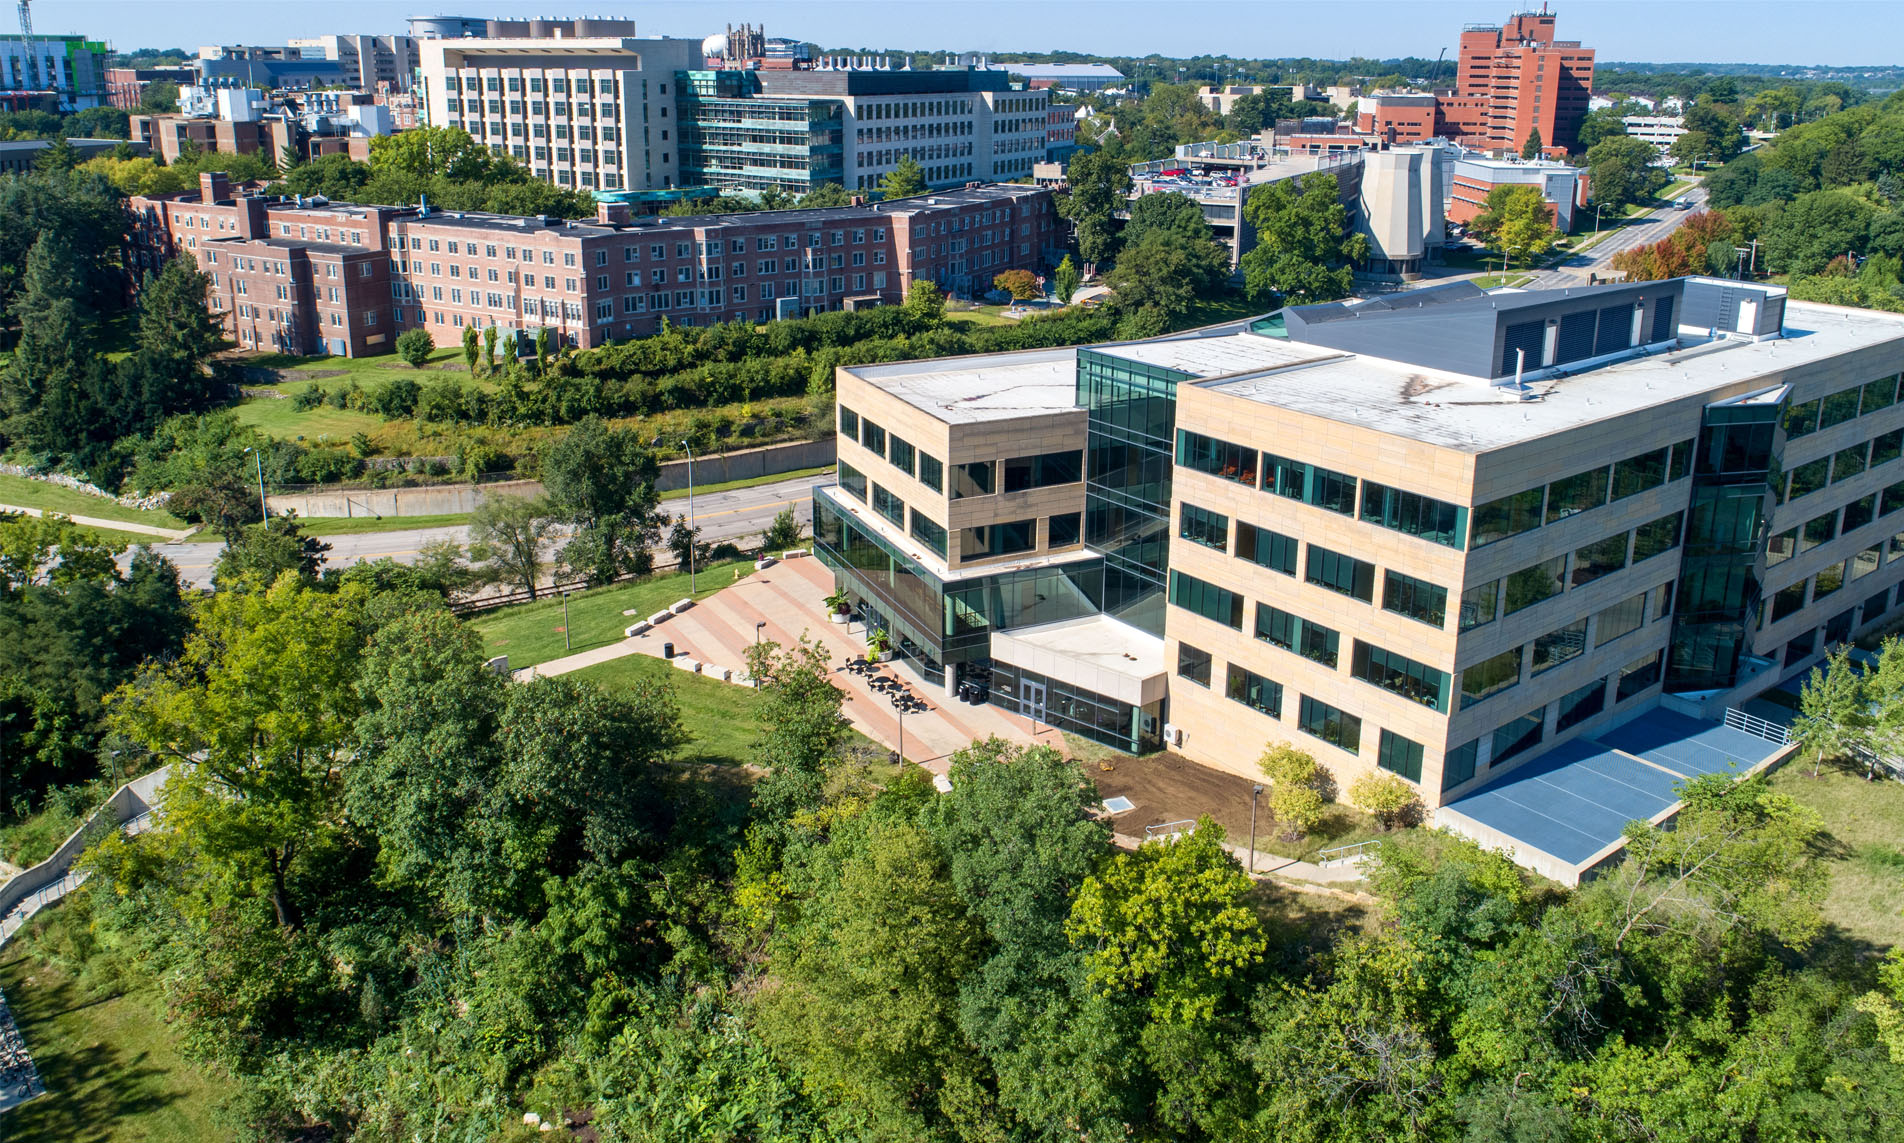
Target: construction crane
<point>26,44</point>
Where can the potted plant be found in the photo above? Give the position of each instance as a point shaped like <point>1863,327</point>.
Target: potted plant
<point>877,646</point>
<point>838,606</point>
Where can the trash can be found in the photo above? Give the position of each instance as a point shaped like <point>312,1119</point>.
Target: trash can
<point>667,650</point>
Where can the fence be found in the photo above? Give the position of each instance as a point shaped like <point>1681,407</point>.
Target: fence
<point>1345,854</point>
<point>1169,831</point>
<point>1757,727</point>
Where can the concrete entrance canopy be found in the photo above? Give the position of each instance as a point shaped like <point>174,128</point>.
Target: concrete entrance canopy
<point>1095,652</point>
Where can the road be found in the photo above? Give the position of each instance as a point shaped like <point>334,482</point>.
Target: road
<point>735,514</point>
<point>1640,230</point>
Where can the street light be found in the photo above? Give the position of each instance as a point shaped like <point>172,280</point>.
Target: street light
<point>1255,790</point>
<point>690,452</point>
<point>757,628</point>
<point>898,702</point>
<point>568,640</point>
<point>263,511</point>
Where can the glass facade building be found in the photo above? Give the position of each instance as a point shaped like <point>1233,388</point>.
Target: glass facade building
<point>732,136</point>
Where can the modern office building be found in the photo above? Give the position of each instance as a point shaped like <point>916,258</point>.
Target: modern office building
<point>68,71</point>
<point>484,28</point>
<point>309,276</point>
<point>269,67</point>
<point>588,114</point>
<point>1442,533</point>
<point>1472,176</point>
<point>1514,79</point>
<point>1662,131</point>
<point>370,63</point>
<point>734,136</point>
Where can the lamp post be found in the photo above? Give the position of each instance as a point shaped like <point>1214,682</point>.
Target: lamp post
<point>757,628</point>
<point>690,452</point>
<point>263,511</point>
<point>568,640</point>
<point>1597,208</point>
<point>899,706</point>
<point>1255,790</point>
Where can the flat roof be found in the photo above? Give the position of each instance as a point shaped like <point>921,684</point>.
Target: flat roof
<point>988,387</point>
<point>1095,652</point>
<point>1454,411</point>
<point>1221,352</point>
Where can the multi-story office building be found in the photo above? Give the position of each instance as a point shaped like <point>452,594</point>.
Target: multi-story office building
<point>270,67</point>
<point>372,63</point>
<point>308,276</point>
<point>589,114</point>
<point>734,136</point>
<point>1439,533</point>
<point>1472,176</point>
<point>1515,79</point>
<point>70,71</point>
<point>484,28</point>
<point>1662,131</point>
<point>125,86</point>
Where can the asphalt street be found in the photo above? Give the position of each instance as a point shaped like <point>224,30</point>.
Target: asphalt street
<point>1641,230</point>
<point>735,514</point>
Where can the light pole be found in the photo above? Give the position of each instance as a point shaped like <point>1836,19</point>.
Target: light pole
<point>568,640</point>
<point>263,511</point>
<point>690,452</point>
<point>899,705</point>
<point>1255,790</point>
<point>1597,208</point>
<point>757,628</point>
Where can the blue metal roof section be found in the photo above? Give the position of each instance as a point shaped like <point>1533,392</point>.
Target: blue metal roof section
<point>1574,801</point>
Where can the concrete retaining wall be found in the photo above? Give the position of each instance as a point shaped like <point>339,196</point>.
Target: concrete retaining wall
<point>139,796</point>
<point>442,499</point>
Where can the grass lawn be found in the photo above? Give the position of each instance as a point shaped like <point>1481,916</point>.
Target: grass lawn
<point>746,482</point>
<point>1866,899</point>
<point>721,716</point>
<point>24,493</point>
<point>531,633</point>
<point>1231,306</point>
<point>1496,281</point>
<point>983,315</point>
<point>113,1070</point>
<point>281,419</point>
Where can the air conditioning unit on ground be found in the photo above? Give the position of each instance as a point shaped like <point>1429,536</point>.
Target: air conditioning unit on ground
<point>1173,734</point>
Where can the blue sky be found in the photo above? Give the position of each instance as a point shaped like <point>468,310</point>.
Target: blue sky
<point>1785,32</point>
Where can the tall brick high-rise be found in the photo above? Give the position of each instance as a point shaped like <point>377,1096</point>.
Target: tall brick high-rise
<point>1515,79</point>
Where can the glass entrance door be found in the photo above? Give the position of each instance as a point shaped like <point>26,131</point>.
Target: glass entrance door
<point>1031,700</point>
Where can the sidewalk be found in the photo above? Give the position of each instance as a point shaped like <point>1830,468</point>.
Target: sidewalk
<point>115,525</point>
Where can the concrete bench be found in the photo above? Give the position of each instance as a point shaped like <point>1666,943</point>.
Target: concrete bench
<point>658,618</point>
<point>680,605</point>
<point>793,553</point>
<point>721,673</point>
<point>499,664</point>
<point>634,629</point>
<point>682,662</point>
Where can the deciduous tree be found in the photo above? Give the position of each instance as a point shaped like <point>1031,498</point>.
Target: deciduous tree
<point>506,537</point>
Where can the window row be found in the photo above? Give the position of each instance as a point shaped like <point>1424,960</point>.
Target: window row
<point>1498,673</point>
<point>1484,602</point>
<point>1824,528</point>
<point>1519,735</point>
<point>1842,465</point>
<point>1313,716</point>
<point>1524,511</point>
<point>901,454</point>
<point>1821,413</point>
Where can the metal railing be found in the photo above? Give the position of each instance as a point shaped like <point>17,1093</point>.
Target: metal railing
<point>1346,854</point>
<point>1757,727</point>
<point>1169,830</point>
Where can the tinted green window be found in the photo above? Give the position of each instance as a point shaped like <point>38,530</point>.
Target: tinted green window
<point>1860,512</point>
<point>1433,520</point>
<point>1274,625</point>
<point>1415,598</point>
<point>1216,457</point>
<point>1206,599</point>
<point>1333,726</point>
<point>849,423</point>
<point>1064,530</point>
<point>1479,604</point>
<point>1508,516</point>
<point>975,479</point>
<point>1341,573</point>
<point>1457,765</point>
<point>1809,477</point>
<point>901,454</point>
<point>1529,586</point>
<point>1254,691</point>
<point>1682,460</point>
<point>1850,462</point>
<point>1193,664</point>
<point>1637,474</point>
<point>1490,677</point>
<point>998,539</point>
<point>852,480</point>
<point>1581,705</point>
<point>1661,535</point>
<point>1879,394</point>
<point>928,533</point>
<point>1893,498</point>
<point>1866,561</point>
<point>1285,477</point>
<point>1887,447</point>
<point>1818,530</point>
<point>1272,550</point>
<point>1045,470</point>
<point>1557,647</point>
<point>1638,676</point>
<point>1524,733</point>
<point>1400,675</point>
<point>1319,644</point>
<point>931,472</point>
<point>888,505</point>
<point>1802,420</point>
<point>1202,526</point>
<point>1576,494</point>
<point>1399,755</point>
<point>873,437</point>
<point>1597,559</point>
<point>1332,490</point>
<point>1827,582</point>
<point>1838,408</point>
<point>1788,601</point>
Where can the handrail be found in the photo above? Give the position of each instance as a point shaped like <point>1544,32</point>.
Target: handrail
<point>1757,727</point>
<point>1345,853</point>
<point>1167,829</point>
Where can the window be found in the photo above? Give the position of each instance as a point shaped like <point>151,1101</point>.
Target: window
<point>1413,514</point>
<point>973,479</point>
<point>1341,573</point>
<point>1400,675</point>
<point>1637,474</point>
<point>1206,599</point>
<point>1524,733</point>
<point>1879,394</point>
<point>1254,691</point>
<point>1532,585</point>
<point>1827,582</point>
<point>1661,535</point>
<point>1332,490</point>
<point>1893,498</point>
<point>1576,494</point>
<point>1335,727</point>
<point>1508,516</point>
<point>1193,664</point>
<point>901,454</point>
<point>1599,559</point>
<point>1064,530</point>
<point>1838,408</point>
<point>1201,526</point>
<point>1399,755</point>
<point>928,533</point>
<point>1818,530</point>
<point>1638,676</point>
<point>852,480</point>
<point>1802,420</point>
<point>1858,513</point>
<point>1479,603</point>
<point>1788,601</point>
<point>1457,765</point>
<point>888,505</point>
<point>1277,627</point>
<point>1218,458</point>
<point>1415,598</point>
<point>1866,561</point>
<point>998,539</point>
<point>931,472</point>
<point>1809,477</point>
<point>1850,462</point>
<point>1557,647</point>
<point>1044,470</point>
<point>1265,548</point>
<point>1887,447</point>
<point>1489,677</point>
<point>1620,619</point>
